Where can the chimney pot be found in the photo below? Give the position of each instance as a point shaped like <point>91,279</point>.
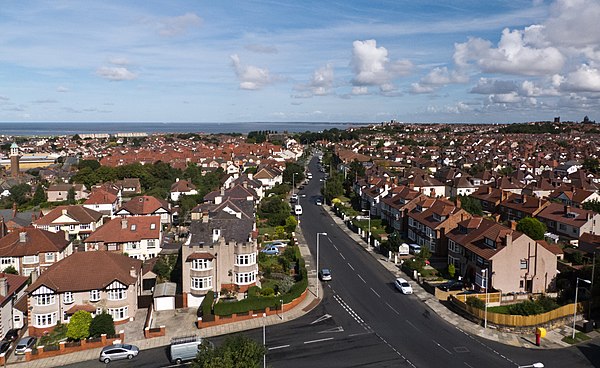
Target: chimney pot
<point>3,286</point>
<point>133,272</point>
<point>123,223</point>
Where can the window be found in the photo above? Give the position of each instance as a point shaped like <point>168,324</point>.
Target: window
<point>151,244</point>
<point>71,227</point>
<point>30,259</point>
<point>49,257</point>
<point>6,260</point>
<point>521,284</point>
<point>523,264</point>
<point>68,297</point>
<point>45,320</point>
<point>132,245</point>
<point>490,243</point>
<point>94,295</point>
<point>84,227</point>
<point>117,294</point>
<point>46,299</point>
<point>119,314</point>
<point>562,226</point>
<point>201,283</point>
<point>57,228</point>
<point>452,246</point>
<point>201,264</point>
<point>245,277</point>
<point>245,259</point>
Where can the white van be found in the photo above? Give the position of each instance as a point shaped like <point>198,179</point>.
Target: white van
<point>297,210</point>
<point>414,248</point>
<point>403,249</point>
<point>184,348</point>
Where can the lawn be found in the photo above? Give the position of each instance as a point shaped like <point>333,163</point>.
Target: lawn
<point>54,337</point>
<point>579,337</point>
<point>502,309</point>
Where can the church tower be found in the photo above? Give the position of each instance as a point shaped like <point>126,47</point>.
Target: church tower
<point>14,160</point>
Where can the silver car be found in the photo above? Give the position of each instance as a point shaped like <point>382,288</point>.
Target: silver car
<point>118,351</point>
<point>24,344</point>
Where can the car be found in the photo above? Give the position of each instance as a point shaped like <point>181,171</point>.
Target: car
<point>271,250</point>
<point>325,274</point>
<point>11,335</point>
<point>294,198</point>
<point>451,286</point>
<point>403,286</point>
<point>24,344</point>
<point>278,244</point>
<point>117,352</point>
<point>4,346</point>
<point>319,202</point>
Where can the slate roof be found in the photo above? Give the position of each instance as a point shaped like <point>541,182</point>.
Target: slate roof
<point>557,212</point>
<point>95,271</point>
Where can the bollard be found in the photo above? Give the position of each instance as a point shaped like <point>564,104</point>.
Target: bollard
<point>538,339</point>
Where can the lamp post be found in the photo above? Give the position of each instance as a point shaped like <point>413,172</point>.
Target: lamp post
<point>265,341</point>
<point>293,182</point>
<point>318,260</point>
<point>282,309</point>
<point>534,365</point>
<point>369,233</point>
<point>575,305</point>
<point>485,281</point>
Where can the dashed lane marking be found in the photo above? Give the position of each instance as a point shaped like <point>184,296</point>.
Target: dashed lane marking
<point>373,290</point>
<point>352,313</point>
<point>279,347</point>
<point>392,308</point>
<point>318,340</point>
<point>438,344</point>
<point>349,265</point>
<point>341,255</point>
<point>360,277</point>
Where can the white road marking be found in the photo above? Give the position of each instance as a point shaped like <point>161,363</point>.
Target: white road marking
<point>349,265</point>
<point>352,313</point>
<point>438,344</point>
<point>415,327</point>
<point>392,308</point>
<point>341,255</point>
<point>321,319</point>
<point>360,277</point>
<point>379,296</point>
<point>335,329</point>
<point>336,248</point>
<point>319,340</point>
<point>279,347</point>
<point>468,365</point>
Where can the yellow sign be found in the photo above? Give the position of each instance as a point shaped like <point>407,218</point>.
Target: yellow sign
<point>541,331</point>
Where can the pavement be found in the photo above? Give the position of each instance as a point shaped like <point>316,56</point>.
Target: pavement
<point>181,321</point>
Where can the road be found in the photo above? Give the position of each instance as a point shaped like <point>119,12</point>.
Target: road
<point>363,321</point>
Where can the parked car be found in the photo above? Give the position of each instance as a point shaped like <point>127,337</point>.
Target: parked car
<point>278,244</point>
<point>24,344</point>
<point>319,202</point>
<point>403,286</point>
<point>117,352</point>
<point>4,346</point>
<point>270,250</point>
<point>325,274</point>
<point>451,286</point>
<point>294,198</point>
<point>11,335</point>
<point>297,210</point>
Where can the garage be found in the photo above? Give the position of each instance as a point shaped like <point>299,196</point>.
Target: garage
<point>164,296</point>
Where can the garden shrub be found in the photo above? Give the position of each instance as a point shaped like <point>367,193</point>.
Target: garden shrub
<point>102,324</point>
<point>267,292</point>
<point>207,305</point>
<point>475,302</point>
<point>526,308</point>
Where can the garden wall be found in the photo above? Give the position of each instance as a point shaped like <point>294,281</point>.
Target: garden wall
<point>42,352</point>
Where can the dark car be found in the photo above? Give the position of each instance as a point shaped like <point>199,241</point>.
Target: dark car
<point>4,345</point>
<point>451,286</point>
<point>11,335</point>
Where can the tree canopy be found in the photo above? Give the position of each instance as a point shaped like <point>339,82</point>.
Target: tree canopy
<point>532,227</point>
<point>236,352</point>
<point>79,325</point>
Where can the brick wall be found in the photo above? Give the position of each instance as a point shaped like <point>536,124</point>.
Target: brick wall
<point>65,348</point>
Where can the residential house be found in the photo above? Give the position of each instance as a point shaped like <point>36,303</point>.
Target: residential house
<point>489,197</point>
<point>78,222</point>
<point>518,206</point>
<point>32,249</point>
<point>513,262</point>
<point>60,192</point>
<point>569,221</point>
<point>130,186</point>
<point>13,220</point>
<point>460,186</point>
<point>269,176</point>
<point>146,206</point>
<point>182,187</point>
<point>395,207</point>
<point>139,236</point>
<point>574,196</point>
<point>431,219</point>
<point>103,201</point>
<point>221,252</point>
<point>589,243</point>
<point>12,289</point>
<point>95,282</point>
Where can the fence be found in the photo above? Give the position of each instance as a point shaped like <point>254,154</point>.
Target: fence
<point>70,347</point>
<point>150,332</point>
<point>515,320</point>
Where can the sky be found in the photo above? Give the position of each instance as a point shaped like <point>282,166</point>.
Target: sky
<point>278,61</point>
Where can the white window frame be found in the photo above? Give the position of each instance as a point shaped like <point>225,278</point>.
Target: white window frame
<point>119,314</point>
<point>245,259</point>
<point>117,294</point>
<point>245,278</point>
<point>31,259</point>
<point>151,244</point>
<point>45,320</point>
<point>68,297</point>
<point>94,295</point>
<point>201,264</point>
<point>45,299</point>
<point>50,257</point>
<point>201,283</point>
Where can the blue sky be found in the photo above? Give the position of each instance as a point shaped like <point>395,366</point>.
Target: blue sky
<point>343,61</point>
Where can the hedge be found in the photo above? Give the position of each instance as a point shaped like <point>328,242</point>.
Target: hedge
<point>206,306</point>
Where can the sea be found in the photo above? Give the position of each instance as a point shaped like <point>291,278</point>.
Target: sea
<point>72,128</point>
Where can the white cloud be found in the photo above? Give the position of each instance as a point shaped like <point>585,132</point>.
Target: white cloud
<point>121,61</point>
<point>372,66</point>
<point>322,80</point>
<point>492,86</point>
<point>418,88</point>
<point>174,26</point>
<point>262,49</point>
<point>584,79</point>
<point>438,76</point>
<point>115,73</point>
<point>512,97</point>
<point>518,52</point>
<point>62,89</point>
<point>250,77</point>
<point>360,90</point>
<point>574,23</point>
<point>4,98</point>
<point>45,101</point>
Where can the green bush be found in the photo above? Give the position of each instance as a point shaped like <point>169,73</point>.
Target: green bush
<point>79,325</point>
<point>253,291</point>
<point>526,308</point>
<point>207,305</point>
<point>475,302</point>
<point>102,324</point>
<point>267,292</point>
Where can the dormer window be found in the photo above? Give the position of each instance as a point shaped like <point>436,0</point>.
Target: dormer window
<point>133,227</point>
<point>571,215</point>
<point>490,242</point>
<point>152,226</point>
<point>419,208</point>
<point>463,229</point>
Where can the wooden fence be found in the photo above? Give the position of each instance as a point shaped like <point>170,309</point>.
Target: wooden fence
<point>518,321</point>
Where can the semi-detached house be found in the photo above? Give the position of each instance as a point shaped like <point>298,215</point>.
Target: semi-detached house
<point>78,222</point>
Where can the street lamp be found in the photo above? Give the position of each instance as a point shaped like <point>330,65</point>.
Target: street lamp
<point>293,182</point>
<point>318,261</point>
<point>265,340</point>
<point>369,233</point>
<point>485,281</point>
<point>575,305</point>
<point>281,309</point>
<point>534,365</point>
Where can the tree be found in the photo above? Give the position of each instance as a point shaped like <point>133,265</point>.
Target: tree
<point>393,242</point>
<point>79,325</point>
<point>102,324</point>
<point>164,266</point>
<point>92,164</point>
<point>71,196</point>
<point>39,196</point>
<point>292,168</point>
<point>19,193</point>
<point>11,270</point>
<point>471,205</point>
<point>290,224</point>
<point>236,352</point>
<point>532,227</point>
<point>451,270</point>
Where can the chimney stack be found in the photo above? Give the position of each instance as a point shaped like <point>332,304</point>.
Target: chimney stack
<point>513,225</point>
<point>457,202</point>
<point>22,237</point>
<point>133,272</point>
<point>123,223</point>
<point>567,209</point>
<point>3,286</point>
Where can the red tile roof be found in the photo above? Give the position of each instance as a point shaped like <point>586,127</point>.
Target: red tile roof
<point>78,214</point>
<point>35,241</point>
<point>121,230</point>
